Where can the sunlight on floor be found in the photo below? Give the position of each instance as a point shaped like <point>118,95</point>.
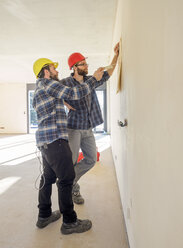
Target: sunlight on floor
<point>6,183</point>
<point>17,149</point>
<point>20,160</point>
<point>102,141</point>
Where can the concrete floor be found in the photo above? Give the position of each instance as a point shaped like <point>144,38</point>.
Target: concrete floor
<point>19,169</point>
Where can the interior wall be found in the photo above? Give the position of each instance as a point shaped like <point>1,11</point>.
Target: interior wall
<point>148,153</point>
<point>13,108</point>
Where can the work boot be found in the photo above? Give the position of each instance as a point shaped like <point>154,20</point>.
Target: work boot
<point>77,227</point>
<point>77,198</point>
<point>43,222</point>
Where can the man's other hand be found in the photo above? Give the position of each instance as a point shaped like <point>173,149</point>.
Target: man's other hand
<point>99,73</point>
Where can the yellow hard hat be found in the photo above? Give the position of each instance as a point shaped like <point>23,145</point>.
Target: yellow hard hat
<point>40,63</point>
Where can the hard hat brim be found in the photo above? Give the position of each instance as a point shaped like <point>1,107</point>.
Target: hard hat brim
<point>55,64</point>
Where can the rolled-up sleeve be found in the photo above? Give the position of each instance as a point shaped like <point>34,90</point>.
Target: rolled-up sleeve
<point>103,80</point>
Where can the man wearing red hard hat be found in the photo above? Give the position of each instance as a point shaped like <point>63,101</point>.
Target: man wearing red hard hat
<point>84,114</point>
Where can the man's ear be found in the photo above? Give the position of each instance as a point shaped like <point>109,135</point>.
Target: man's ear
<point>74,68</point>
<point>46,72</point>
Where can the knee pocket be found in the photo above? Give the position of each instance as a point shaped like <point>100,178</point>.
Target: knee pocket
<point>92,161</point>
<point>50,180</point>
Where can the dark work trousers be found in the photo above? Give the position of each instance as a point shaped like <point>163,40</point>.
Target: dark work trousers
<point>57,165</point>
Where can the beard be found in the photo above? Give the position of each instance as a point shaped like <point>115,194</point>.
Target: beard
<point>82,72</point>
<point>54,76</point>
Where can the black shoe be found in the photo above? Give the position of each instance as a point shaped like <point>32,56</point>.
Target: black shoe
<point>77,198</point>
<point>77,227</point>
<point>42,222</point>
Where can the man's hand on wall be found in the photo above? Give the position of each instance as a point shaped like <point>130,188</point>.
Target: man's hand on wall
<point>116,49</point>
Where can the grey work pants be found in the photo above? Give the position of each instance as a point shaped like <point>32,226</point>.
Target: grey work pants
<point>85,140</point>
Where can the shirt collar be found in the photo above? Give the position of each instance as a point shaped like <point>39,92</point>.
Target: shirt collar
<point>84,78</point>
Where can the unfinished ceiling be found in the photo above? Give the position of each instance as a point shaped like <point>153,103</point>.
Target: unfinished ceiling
<point>31,29</point>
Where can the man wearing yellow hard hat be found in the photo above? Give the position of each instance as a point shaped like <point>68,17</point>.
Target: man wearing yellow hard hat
<point>52,140</point>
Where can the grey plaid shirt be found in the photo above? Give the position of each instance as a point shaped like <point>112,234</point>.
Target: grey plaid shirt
<point>88,113</point>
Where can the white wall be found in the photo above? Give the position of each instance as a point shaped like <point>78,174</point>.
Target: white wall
<point>148,153</point>
<point>13,108</point>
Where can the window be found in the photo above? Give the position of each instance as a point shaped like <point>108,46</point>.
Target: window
<point>101,94</point>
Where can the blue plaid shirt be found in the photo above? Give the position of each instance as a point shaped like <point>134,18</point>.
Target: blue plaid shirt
<point>48,103</point>
<point>88,113</point>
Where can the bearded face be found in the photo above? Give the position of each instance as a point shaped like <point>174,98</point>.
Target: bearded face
<point>81,68</point>
<point>82,72</point>
<point>53,73</point>
<point>54,76</point>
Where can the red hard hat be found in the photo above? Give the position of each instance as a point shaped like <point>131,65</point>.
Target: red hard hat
<point>75,58</point>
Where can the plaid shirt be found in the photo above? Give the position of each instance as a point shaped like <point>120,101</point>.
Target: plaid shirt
<point>48,103</point>
<point>88,113</point>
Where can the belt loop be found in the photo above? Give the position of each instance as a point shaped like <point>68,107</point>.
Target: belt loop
<point>45,146</point>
